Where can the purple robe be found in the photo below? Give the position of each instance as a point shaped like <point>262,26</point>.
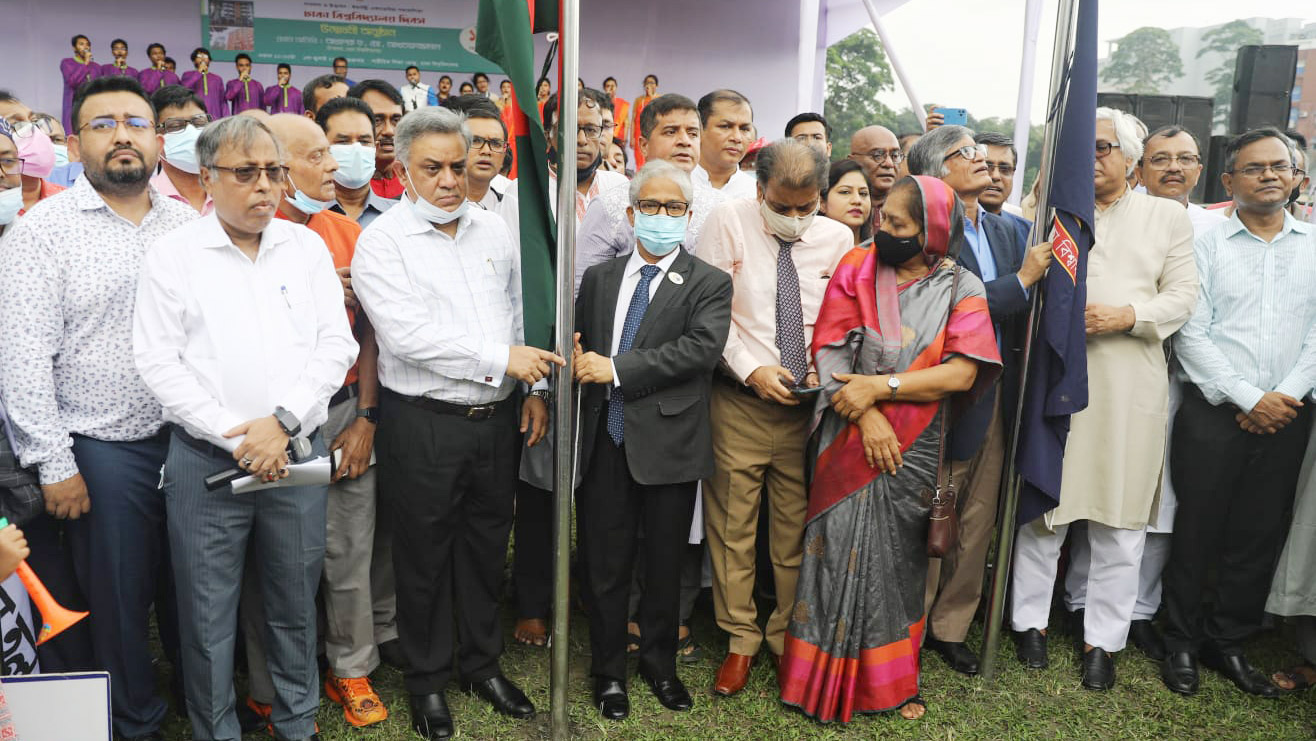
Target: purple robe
<point>109,70</point>
<point>210,88</point>
<point>153,79</point>
<point>284,100</point>
<point>75,73</point>
<point>244,97</point>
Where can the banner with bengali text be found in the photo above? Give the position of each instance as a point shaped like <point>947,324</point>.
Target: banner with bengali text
<point>434,35</point>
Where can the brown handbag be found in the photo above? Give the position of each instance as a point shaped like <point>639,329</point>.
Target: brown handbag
<point>944,518</point>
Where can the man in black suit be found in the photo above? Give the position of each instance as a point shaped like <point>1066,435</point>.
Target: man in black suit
<point>652,326</point>
<point>996,251</point>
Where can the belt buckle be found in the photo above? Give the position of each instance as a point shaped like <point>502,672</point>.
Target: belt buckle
<point>480,413</point>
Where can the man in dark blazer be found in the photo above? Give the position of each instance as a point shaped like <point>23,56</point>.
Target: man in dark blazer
<point>651,328</point>
<point>995,249</point>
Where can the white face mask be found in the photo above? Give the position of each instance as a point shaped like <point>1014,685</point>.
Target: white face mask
<point>431,213</point>
<point>356,164</point>
<point>11,202</point>
<point>180,149</point>
<point>61,155</point>
<point>787,228</point>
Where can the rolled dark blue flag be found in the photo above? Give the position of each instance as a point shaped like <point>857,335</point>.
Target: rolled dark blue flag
<point>1057,370</point>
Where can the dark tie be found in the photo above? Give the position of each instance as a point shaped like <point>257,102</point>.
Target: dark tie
<point>634,316</point>
<point>790,316</point>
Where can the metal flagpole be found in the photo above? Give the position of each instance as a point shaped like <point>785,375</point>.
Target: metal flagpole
<point>1027,70</point>
<point>876,18</point>
<point>1011,481</point>
<point>564,450</point>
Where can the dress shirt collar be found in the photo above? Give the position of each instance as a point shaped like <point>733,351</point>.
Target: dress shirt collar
<point>1236,225</point>
<point>637,261</point>
<point>87,198</point>
<point>413,224</point>
<point>210,233</point>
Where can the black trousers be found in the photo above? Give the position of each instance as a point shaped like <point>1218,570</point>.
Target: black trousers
<point>610,508</point>
<point>1235,493</point>
<point>532,560</point>
<point>450,483</point>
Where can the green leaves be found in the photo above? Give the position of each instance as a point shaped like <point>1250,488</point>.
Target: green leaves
<point>1145,60</point>
<point>857,70</point>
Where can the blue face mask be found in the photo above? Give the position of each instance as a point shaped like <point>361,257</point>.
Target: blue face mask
<point>180,149</point>
<point>307,204</point>
<point>659,233</point>
<point>61,155</point>
<point>356,164</point>
<point>11,202</point>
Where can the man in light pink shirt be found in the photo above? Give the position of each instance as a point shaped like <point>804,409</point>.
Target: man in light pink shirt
<point>780,258</point>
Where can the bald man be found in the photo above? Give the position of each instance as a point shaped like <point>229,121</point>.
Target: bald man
<point>308,192</point>
<point>877,150</point>
<point>258,114</point>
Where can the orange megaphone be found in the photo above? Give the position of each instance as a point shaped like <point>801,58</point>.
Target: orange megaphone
<point>55,618</point>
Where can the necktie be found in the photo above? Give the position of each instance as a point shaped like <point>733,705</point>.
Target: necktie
<point>790,316</point>
<point>634,315</point>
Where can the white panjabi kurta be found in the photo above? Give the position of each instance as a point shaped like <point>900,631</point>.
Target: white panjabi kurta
<point>1143,258</point>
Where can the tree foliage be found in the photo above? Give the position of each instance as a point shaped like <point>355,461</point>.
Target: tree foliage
<point>1144,60</point>
<point>1226,40</point>
<point>857,70</point>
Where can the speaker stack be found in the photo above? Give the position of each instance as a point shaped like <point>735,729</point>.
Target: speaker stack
<point>1188,112</point>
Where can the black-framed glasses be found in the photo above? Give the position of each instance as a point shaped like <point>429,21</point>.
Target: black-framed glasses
<point>249,174</point>
<point>495,145</point>
<point>1103,148</point>
<point>178,123</point>
<point>1255,171</point>
<point>11,165</point>
<point>107,124</point>
<point>1162,161</point>
<point>671,208</point>
<point>1004,169</point>
<point>46,123</point>
<point>970,152</point>
<point>879,155</point>
<point>591,131</point>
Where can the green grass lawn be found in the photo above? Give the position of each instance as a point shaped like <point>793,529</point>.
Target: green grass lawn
<point>1019,704</point>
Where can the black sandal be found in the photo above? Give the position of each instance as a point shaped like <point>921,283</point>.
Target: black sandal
<point>1296,677</point>
<point>687,651</point>
<point>915,700</point>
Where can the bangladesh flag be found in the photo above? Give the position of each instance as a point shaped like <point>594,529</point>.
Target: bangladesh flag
<point>504,35</point>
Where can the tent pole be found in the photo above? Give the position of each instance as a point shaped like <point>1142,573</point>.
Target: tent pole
<point>899,68</point>
<point>1023,108</point>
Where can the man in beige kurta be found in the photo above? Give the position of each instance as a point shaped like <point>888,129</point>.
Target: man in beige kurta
<point>1142,286</point>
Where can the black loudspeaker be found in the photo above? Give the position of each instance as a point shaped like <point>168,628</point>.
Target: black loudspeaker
<point>1193,114</point>
<point>1210,182</point>
<point>1263,84</point>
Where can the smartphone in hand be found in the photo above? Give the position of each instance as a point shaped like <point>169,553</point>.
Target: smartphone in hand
<point>953,116</point>
<point>805,391</point>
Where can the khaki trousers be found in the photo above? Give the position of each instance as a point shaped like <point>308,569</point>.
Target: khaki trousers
<point>955,582</point>
<point>758,453</point>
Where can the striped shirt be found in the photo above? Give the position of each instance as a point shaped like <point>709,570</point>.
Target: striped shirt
<point>1254,329</point>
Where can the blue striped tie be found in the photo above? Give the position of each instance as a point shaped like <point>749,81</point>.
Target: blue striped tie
<point>634,316</point>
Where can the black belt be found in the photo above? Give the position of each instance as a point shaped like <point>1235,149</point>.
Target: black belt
<point>476,412</point>
<point>200,446</point>
<point>737,385</point>
<point>343,394</point>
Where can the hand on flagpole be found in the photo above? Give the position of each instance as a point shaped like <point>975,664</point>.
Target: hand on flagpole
<point>1035,263</point>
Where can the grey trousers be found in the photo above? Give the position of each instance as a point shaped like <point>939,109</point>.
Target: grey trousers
<point>209,534</point>
<point>349,636</point>
<point>1306,625</point>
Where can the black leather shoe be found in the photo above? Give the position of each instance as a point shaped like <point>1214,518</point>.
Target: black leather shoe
<point>1098,670</point>
<point>611,699</point>
<point>1236,669</point>
<point>505,697</point>
<point>390,652</point>
<point>1030,647</point>
<point>1179,673</point>
<point>955,653</point>
<point>1146,637</point>
<point>430,717</point>
<point>670,692</point>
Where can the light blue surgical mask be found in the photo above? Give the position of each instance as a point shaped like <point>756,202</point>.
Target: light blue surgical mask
<point>356,164</point>
<point>659,233</point>
<point>306,204</point>
<point>11,202</point>
<point>61,155</point>
<point>431,213</point>
<point>180,149</point>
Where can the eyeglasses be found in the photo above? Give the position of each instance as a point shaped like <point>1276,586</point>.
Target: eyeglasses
<point>175,125</point>
<point>11,166</point>
<point>591,131</point>
<point>248,175</point>
<point>1103,148</point>
<point>495,145</point>
<point>1255,171</point>
<point>106,124</point>
<point>970,153</point>
<point>1005,170</point>
<point>671,208</point>
<point>878,155</point>
<point>45,123</point>
<point>1162,161</point>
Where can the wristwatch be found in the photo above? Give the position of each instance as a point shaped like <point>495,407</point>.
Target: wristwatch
<point>893,383</point>
<point>288,421</point>
<point>544,394</point>
<point>370,414</point>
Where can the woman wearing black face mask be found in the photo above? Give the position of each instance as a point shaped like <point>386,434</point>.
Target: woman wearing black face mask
<point>897,334</point>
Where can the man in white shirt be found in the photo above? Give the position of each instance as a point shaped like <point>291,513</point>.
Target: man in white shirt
<point>489,144</point>
<point>240,333</point>
<point>728,121</point>
<point>79,412</point>
<point>415,94</point>
<point>441,282</point>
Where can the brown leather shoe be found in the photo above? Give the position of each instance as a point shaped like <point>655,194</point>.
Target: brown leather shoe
<point>733,675</point>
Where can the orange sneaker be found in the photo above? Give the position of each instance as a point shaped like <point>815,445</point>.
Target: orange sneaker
<point>361,706</point>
